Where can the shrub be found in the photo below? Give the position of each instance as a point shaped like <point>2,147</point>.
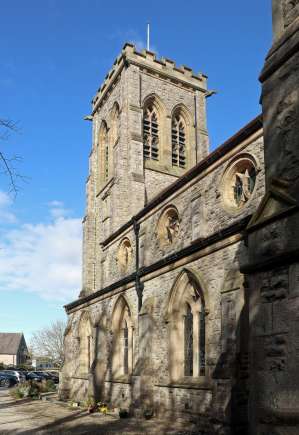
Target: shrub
<point>47,386</point>
<point>32,389</point>
<point>28,389</point>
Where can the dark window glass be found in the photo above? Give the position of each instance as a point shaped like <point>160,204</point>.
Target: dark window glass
<point>202,343</point>
<point>188,366</point>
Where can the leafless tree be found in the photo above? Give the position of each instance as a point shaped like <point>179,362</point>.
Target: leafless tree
<point>8,163</point>
<point>48,342</point>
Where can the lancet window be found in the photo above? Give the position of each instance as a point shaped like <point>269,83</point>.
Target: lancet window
<point>123,339</point>
<point>150,133</point>
<point>85,344</point>
<point>187,323</point>
<point>178,141</point>
<point>104,154</point>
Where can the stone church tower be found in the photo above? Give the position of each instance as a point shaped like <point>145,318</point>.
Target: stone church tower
<point>141,99</point>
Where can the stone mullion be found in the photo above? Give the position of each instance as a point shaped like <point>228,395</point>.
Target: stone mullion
<point>196,344</point>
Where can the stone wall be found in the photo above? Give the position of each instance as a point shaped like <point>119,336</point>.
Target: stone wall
<point>201,209</point>
<point>190,240</point>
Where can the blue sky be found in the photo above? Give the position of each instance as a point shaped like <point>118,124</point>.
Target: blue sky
<point>54,55</point>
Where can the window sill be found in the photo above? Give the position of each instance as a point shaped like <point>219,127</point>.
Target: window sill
<point>126,379</point>
<point>189,384</point>
<point>83,376</point>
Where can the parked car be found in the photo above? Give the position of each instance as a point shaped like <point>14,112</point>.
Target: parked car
<point>32,376</point>
<point>54,377</point>
<point>43,375</point>
<point>19,374</point>
<point>7,380</point>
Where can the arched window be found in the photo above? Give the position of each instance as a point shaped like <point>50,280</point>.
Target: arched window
<point>150,133</point>
<point>186,317</point>
<point>178,140</point>
<point>122,329</point>
<point>85,344</point>
<point>103,153</point>
<point>114,130</point>
<point>126,347</point>
<point>188,342</point>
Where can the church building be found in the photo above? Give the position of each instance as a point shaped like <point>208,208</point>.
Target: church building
<point>162,323</point>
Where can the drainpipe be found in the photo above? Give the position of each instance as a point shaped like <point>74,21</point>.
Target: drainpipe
<point>138,283</point>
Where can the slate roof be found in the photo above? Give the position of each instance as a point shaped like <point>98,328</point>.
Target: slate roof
<point>10,342</point>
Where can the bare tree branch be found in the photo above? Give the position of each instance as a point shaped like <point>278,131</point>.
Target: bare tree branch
<point>48,342</point>
<point>7,164</point>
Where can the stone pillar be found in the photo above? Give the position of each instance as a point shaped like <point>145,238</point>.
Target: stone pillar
<point>273,240</point>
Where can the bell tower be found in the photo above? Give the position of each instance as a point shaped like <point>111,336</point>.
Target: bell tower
<point>149,128</point>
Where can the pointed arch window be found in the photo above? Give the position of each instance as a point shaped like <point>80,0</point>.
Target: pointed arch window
<point>122,339</point>
<point>104,157</point>
<point>188,342</point>
<point>115,119</point>
<point>178,141</point>
<point>85,344</point>
<point>126,348</point>
<point>150,133</point>
<point>187,323</point>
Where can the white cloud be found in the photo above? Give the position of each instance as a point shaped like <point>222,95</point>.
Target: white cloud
<point>57,209</point>
<point>6,216</point>
<point>44,258</point>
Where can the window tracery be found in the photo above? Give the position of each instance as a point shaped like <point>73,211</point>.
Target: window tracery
<point>150,133</point>
<point>244,185</point>
<point>186,317</point>
<point>239,182</point>
<point>178,141</point>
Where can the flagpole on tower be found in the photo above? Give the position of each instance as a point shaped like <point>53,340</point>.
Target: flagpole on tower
<point>148,38</point>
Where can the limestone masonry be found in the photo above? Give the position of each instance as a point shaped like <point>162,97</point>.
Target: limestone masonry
<point>190,259</point>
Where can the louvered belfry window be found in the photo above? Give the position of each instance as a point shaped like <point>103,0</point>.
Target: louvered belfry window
<point>150,133</point>
<point>178,140</point>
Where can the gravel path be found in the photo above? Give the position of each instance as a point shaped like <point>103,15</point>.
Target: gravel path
<point>46,417</point>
